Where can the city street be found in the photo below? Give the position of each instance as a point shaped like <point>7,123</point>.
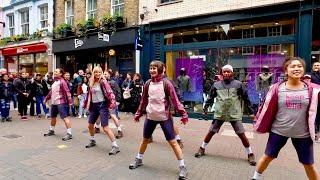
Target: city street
<point>26,154</point>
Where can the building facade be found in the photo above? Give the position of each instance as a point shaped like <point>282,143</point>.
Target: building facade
<point>26,43</point>
<point>99,33</point>
<point>251,35</point>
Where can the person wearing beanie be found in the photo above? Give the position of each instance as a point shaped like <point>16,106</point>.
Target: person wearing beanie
<point>228,93</point>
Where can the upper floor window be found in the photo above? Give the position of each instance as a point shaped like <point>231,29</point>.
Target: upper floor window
<point>168,1</point>
<point>24,22</point>
<point>275,31</point>
<point>44,16</point>
<point>117,7</point>
<point>11,24</point>
<point>247,33</point>
<point>91,9</point>
<point>69,12</point>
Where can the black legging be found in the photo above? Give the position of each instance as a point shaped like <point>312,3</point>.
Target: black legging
<point>22,105</point>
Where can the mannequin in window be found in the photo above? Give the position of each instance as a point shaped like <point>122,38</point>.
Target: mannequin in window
<point>264,81</point>
<point>183,82</point>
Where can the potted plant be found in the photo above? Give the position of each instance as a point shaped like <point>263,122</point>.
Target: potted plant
<point>91,25</point>
<point>107,24</point>
<point>119,21</point>
<point>80,28</point>
<point>63,30</point>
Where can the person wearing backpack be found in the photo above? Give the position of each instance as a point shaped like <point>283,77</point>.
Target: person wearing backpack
<point>61,100</point>
<point>99,100</point>
<point>6,94</point>
<point>156,103</point>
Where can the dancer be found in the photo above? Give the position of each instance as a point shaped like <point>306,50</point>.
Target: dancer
<point>228,93</point>
<point>156,103</point>
<point>99,100</point>
<point>289,111</point>
<point>61,99</point>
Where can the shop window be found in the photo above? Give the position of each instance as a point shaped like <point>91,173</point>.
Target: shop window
<point>42,63</point>
<point>91,9</point>
<point>117,7</point>
<point>69,15</point>
<point>275,31</point>
<point>274,49</point>
<point>248,50</point>
<point>247,33</point>
<point>11,24</point>
<point>43,16</point>
<point>24,21</point>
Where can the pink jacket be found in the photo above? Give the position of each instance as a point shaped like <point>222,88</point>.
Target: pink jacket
<point>108,94</point>
<point>267,112</point>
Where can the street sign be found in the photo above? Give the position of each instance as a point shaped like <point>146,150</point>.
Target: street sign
<point>103,37</point>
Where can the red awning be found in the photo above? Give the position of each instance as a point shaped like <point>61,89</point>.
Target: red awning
<point>27,49</point>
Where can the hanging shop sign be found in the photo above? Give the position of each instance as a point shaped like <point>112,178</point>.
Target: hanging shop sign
<point>78,43</point>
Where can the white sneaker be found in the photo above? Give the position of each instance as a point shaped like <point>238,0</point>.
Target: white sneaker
<point>16,109</point>
<point>79,116</point>
<point>85,116</point>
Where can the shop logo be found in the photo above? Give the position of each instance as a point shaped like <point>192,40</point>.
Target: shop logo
<point>21,50</point>
<point>77,43</point>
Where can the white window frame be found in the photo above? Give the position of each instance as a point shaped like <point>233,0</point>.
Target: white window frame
<point>275,49</point>
<point>116,7</point>
<point>23,24</point>
<point>248,33</point>
<point>11,27</point>
<point>248,50</point>
<point>91,13</point>
<point>69,18</point>
<point>169,2</point>
<point>44,17</point>
<point>275,30</point>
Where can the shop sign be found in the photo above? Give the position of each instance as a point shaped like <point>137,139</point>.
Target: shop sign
<point>78,43</point>
<point>27,49</point>
<point>103,37</point>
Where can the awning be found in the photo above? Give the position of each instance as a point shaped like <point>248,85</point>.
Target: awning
<point>123,37</point>
<point>25,49</point>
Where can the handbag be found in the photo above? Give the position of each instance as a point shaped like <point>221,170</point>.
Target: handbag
<point>126,94</point>
<point>75,101</point>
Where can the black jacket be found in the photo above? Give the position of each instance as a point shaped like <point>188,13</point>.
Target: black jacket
<point>39,88</point>
<point>22,86</point>
<point>7,90</point>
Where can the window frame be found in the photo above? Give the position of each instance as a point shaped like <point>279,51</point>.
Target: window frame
<point>25,24</point>
<point>170,2</point>
<point>69,19</point>
<point>46,15</point>
<point>11,25</point>
<point>91,11</point>
<point>119,6</point>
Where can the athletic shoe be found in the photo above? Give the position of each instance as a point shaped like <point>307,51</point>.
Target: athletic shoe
<point>183,172</point>
<point>200,153</point>
<point>114,150</point>
<point>91,144</point>
<point>251,159</point>
<point>120,135</point>
<point>16,109</point>
<point>47,116</point>
<point>24,118</point>
<point>79,117</point>
<point>67,137</point>
<point>85,116</point>
<point>9,119</point>
<point>137,162</point>
<point>50,133</point>
<point>180,143</point>
<point>3,120</point>
<point>97,130</point>
<point>39,115</point>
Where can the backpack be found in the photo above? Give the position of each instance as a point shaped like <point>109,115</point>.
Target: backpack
<point>116,90</point>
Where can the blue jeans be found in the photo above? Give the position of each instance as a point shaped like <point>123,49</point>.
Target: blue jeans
<point>39,103</point>
<point>82,111</point>
<point>5,107</point>
<point>15,100</point>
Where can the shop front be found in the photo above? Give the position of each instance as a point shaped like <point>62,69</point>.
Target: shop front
<point>116,52</point>
<point>254,42</point>
<point>33,58</point>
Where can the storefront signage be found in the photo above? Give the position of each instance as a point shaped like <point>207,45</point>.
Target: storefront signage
<point>78,43</point>
<point>103,37</point>
<point>21,50</point>
<point>27,49</point>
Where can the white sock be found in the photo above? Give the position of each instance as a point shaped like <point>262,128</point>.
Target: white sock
<point>139,156</point>
<point>181,162</point>
<point>51,128</point>
<point>119,128</point>
<point>204,145</point>
<point>69,131</point>
<point>249,150</point>
<point>178,137</point>
<point>92,138</point>
<point>97,125</point>
<point>114,143</point>
<point>257,175</point>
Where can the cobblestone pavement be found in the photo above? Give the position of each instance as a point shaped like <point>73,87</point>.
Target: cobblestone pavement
<point>26,154</point>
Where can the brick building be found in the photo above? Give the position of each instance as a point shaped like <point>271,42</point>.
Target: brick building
<point>204,35</point>
<point>80,51</point>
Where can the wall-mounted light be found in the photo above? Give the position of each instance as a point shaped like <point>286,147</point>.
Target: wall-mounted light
<point>276,23</point>
<point>313,57</point>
